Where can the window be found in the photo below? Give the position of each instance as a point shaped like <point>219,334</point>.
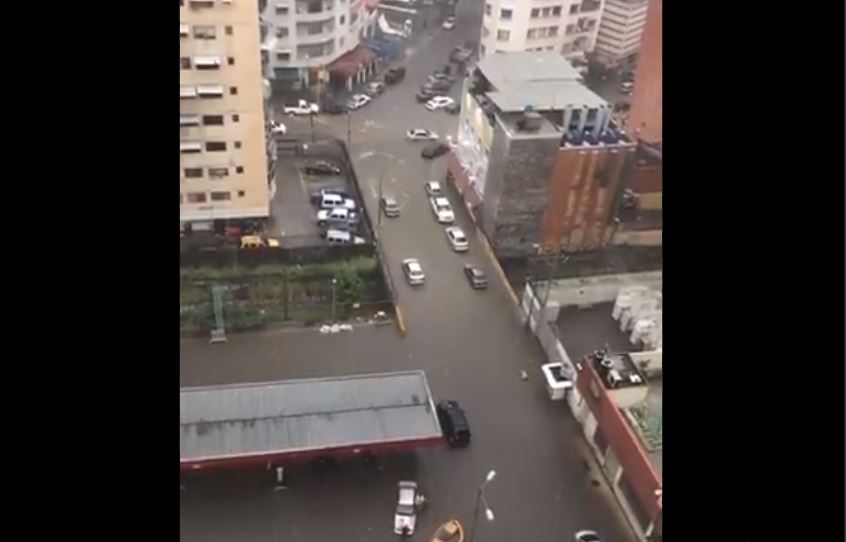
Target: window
<point>341,20</point>
<point>574,9</point>
<point>535,13</point>
<point>283,57</point>
<point>218,172</point>
<point>195,197</point>
<point>281,10</point>
<point>230,60</point>
<point>532,33</point>
<point>233,90</point>
<point>239,169</point>
<point>570,29</point>
<point>228,29</point>
<point>202,32</point>
<point>503,35</point>
<point>237,144</point>
<point>184,63</point>
<point>193,172</point>
<point>236,117</point>
<point>212,120</point>
<point>488,9</point>
<point>240,193</point>
<point>215,146</point>
<point>282,32</point>
<point>546,12</point>
<point>340,42</point>
<point>556,11</point>
<point>550,47</point>
<point>221,196</point>
<point>552,31</point>
<point>505,14</point>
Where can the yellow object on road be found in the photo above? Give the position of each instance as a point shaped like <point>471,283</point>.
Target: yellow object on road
<point>449,531</point>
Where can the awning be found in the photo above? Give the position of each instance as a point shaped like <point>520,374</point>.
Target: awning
<point>189,120</point>
<point>183,29</point>
<point>210,90</point>
<point>353,62</point>
<point>187,92</point>
<point>190,146</point>
<point>207,61</point>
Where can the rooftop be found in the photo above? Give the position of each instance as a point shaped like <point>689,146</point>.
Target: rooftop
<point>646,421</point>
<point>520,67</point>
<point>514,96</point>
<point>304,415</point>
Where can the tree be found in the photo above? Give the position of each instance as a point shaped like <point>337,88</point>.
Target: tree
<point>350,286</point>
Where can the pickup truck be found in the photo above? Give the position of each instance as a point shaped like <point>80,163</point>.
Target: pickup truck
<point>302,107</point>
<point>336,215</point>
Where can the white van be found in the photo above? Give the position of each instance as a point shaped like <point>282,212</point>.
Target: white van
<point>339,237</point>
<point>330,201</point>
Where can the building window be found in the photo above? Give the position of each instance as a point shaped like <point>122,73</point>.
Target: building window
<point>545,12</point>
<point>535,13</point>
<point>556,11</point>
<point>281,10</point>
<point>552,31</point>
<point>283,57</point>
<point>215,146</point>
<point>240,193</point>
<point>503,35</point>
<point>340,42</point>
<point>341,20</point>
<point>218,172</point>
<point>230,60</point>
<point>282,32</point>
<point>505,14</point>
<point>236,117</point>
<point>195,197</point>
<point>233,90</point>
<point>221,196</point>
<point>202,32</point>
<point>488,9</point>
<point>184,63</point>
<point>237,144</point>
<point>574,9</point>
<point>193,172</point>
<point>212,120</point>
<point>532,33</point>
<point>239,169</point>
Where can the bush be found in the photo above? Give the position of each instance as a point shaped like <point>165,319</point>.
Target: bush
<point>350,286</point>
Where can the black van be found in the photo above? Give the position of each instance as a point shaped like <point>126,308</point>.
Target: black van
<point>454,423</point>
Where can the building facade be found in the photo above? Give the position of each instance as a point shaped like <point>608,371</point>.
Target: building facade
<point>223,136</point>
<point>620,30</point>
<point>544,180</point>
<point>301,39</point>
<point>645,120</point>
<point>564,26</point>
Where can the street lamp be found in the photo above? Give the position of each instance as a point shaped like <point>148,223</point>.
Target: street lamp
<point>334,283</point>
<point>480,499</point>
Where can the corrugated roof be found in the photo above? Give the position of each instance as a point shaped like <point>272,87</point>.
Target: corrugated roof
<point>520,67</point>
<point>307,414</point>
<point>511,97</point>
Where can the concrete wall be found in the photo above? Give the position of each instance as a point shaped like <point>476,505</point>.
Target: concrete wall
<point>648,238</point>
<point>652,360</point>
<point>600,289</point>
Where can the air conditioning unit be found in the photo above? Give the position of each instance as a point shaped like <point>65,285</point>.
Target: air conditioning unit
<point>613,378</point>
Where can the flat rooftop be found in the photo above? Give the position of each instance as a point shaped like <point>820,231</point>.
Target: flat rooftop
<point>519,67</point>
<point>544,96</point>
<point>304,415</point>
<point>648,424</point>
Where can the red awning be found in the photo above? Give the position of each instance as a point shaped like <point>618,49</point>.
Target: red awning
<point>353,62</point>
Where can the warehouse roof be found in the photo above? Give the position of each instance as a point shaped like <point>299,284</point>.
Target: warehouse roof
<point>519,67</point>
<point>545,96</point>
<point>304,415</point>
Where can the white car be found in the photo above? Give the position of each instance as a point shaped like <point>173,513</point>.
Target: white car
<point>421,134</point>
<point>341,237</point>
<point>457,239</point>
<point>439,102</point>
<point>449,24</point>
<point>302,107</point>
<point>277,128</point>
<point>442,210</point>
<point>405,517</point>
<point>433,188</point>
<point>413,271</point>
<point>357,101</point>
<point>587,536</point>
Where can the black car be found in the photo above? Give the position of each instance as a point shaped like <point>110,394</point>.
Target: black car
<point>321,167</point>
<point>394,75</point>
<point>476,277</point>
<point>334,108</point>
<point>453,423</point>
<point>453,109</point>
<point>425,94</point>
<point>433,150</point>
<point>437,76</point>
<point>446,69</point>
<point>437,87</point>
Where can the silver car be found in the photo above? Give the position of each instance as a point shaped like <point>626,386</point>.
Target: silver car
<point>457,239</point>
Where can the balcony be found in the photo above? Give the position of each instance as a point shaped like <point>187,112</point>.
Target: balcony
<point>589,6</point>
<point>207,62</point>
<point>315,11</point>
<point>210,91</point>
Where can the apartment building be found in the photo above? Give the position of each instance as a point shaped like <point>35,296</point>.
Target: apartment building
<point>303,40</point>
<point>225,155</point>
<point>565,26</point>
<point>620,29</point>
<point>538,159</point>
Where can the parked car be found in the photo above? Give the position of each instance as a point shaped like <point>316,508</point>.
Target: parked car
<point>341,237</point>
<point>436,86</point>
<point>413,271</point>
<point>334,108</point>
<point>433,150</point>
<point>375,88</point>
<point>457,239</point>
<point>433,188</point>
<point>449,24</point>
<point>438,75</point>
<point>453,109</point>
<point>389,206</point>
<point>454,423</point>
<point>321,167</point>
<point>442,209</point>
<point>330,201</point>
<point>277,128</point>
<point>626,87</point>
<point>425,94</point>
<point>357,101</point>
<point>460,54</point>
<point>439,102</point>
<point>302,107</point>
<point>421,134</point>
<point>316,196</point>
<point>477,278</point>
<point>394,74</point>
<point>405,517</point>
<point>587,536</point>
<point>446,69</point>
<point>327,217</point>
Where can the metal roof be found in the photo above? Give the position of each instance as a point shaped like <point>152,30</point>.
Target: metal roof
<point>521,67</point>
<point>545,96</point>
<point>302,415</point>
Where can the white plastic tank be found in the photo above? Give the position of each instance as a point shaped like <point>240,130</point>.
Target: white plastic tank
<point>640,330</point>
<point>623,301</point>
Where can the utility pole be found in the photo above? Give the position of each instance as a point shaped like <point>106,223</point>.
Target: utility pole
<point>349,126</point>
<point>379,206</point>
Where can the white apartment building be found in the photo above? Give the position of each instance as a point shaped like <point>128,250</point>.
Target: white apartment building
<point>223,141</point>
<point>301,38</point>
<point>566,26</point>
<point>620,29</point>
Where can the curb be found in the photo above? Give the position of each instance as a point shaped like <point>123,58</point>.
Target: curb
<point>487,246</point>
<point>400,320</point>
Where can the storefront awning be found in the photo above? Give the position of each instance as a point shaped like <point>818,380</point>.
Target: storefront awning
<point>353,62</point>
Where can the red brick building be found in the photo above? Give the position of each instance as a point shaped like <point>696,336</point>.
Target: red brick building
<point>645,115</point>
